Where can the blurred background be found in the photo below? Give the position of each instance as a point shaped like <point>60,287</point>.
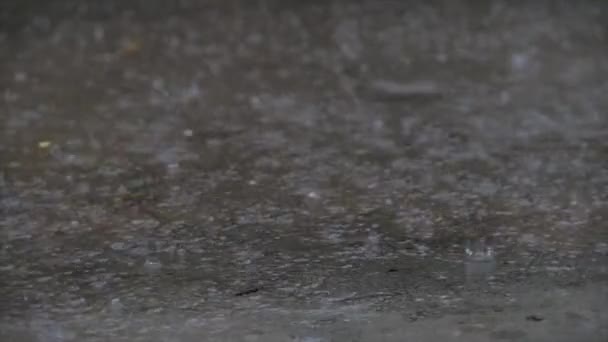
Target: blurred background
<point>303,170</point>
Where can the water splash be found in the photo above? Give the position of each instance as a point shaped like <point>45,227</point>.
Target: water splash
<point>480,259</point>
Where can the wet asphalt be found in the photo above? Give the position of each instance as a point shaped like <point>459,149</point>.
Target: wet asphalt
<point>303,171</point>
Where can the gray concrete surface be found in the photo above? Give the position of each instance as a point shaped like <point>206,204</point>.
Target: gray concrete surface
<point>303,171</point>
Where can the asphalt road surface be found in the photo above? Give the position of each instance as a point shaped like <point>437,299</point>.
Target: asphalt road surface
<point>303,171</point>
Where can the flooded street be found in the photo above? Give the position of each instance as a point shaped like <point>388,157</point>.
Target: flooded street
<point>304,171</point>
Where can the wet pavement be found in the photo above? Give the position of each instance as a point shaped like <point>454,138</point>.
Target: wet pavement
<point>303,171</point>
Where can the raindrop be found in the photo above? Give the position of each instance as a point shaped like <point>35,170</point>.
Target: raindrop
<point>20,77</point>
<point>601,248</point>
<point>480,261</point>
<point>311,339</point>
<point>98,33</point>
<point>313,195</point>
<point>118,246</point>
<point>152,265</point>
<point>116,306</point>
<point>519,61</point>
<point>172,168</point>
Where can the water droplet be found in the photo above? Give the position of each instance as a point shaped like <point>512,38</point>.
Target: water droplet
<point>152,265</point>
<point>116,305</point>
<point>118,246</point>
<point>44,144</point>
<point>311,339</point>
<point>601,248</point>
<point>480,262</point>
<point>20,77</point>
<point>313,195</point>
<point>519,61</point>
<point>98,33</point>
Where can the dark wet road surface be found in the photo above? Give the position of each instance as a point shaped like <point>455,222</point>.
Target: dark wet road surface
<point>282,171</point>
